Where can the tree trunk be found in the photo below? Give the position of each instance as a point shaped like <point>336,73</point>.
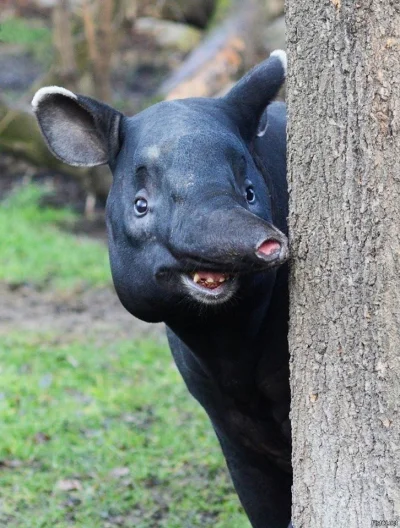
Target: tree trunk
<point>64,45</point>
<point>344,178</point>
<point>99,38</point>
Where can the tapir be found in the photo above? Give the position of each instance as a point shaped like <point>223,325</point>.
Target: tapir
<point>197,230</point>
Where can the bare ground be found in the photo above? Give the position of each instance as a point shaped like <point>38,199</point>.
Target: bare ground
<point>95,313</point>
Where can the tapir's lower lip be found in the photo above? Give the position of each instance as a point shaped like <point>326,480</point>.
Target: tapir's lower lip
<point>210,287</point>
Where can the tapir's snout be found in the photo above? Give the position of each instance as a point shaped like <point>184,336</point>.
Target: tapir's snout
<point>215,250</point>
<point>273,250</point>
<point>234,239</point>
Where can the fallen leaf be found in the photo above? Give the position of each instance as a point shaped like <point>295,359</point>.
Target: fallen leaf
<point>119,472</point>
<point>41,438</point>
<point>72,361</point>
<point>10,463</point>
<point>69,485</point>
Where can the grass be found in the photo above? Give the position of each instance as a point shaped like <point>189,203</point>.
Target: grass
<point>33,249</point>
<point>34,35</point>
<point>19,31</point>
<point>101,437</point>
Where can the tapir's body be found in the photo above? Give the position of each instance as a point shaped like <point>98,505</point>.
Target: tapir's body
<point>196,218</point>
<point>236,366</point>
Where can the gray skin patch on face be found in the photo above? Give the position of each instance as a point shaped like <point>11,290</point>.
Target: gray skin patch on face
<point>153,152</point>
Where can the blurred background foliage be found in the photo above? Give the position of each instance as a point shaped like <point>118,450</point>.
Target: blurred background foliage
<point>127,53</point>
<point>98,429</point>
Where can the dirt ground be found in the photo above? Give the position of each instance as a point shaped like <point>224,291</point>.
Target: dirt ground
<point>95,313</point>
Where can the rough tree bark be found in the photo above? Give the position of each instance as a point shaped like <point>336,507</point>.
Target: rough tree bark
<point>344,177</point>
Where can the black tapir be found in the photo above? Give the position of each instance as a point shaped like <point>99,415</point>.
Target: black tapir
<point>196,220</point>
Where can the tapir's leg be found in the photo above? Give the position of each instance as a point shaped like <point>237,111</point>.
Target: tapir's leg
<point>264,490</point>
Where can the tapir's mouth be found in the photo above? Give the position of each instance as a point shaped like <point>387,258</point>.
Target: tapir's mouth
<point>216,287</point>
<point>210,280</point>
<point>210,287</point>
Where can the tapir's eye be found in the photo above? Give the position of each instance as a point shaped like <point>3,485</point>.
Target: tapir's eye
<point>250,194</point>
<point>141,206</point>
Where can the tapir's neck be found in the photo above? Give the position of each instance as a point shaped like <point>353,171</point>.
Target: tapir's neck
<point>243,316</point>
<point>230,345</point>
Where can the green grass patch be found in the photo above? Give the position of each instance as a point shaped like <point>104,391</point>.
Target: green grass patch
<point>34,249</point>
<point>98,437</point>
<point>33,34</point>
<point>20,31</point>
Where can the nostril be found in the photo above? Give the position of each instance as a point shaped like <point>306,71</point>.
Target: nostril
<point>269,247</point>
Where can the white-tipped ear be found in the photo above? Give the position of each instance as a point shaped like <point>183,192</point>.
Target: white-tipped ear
<point>49,90</point>
<point>248,99</point>
<point>78,130</point>
<point>282,57</point>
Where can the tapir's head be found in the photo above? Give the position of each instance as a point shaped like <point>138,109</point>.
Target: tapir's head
<point>189,213</point>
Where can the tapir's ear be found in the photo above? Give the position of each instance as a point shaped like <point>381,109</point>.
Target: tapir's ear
<point>78,130</point>
<point>249,97</point>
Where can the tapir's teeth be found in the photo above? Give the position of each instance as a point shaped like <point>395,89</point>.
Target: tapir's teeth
<point>208,280</point>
